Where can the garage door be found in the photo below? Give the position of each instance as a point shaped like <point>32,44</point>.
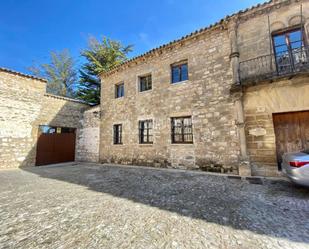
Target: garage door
<point>55,145</point>
<point>292,132</point>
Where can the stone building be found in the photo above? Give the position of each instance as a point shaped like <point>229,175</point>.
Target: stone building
<point>275,83</point>
<point>228,98</point>
<point>212,99</point>
<point>27,113</point>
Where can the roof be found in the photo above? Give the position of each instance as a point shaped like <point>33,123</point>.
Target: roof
<point>21,74</point>
<point>65,98</point>
<point>194,34</point>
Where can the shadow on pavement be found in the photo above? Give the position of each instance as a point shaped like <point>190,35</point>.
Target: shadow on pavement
<point>276,208</point>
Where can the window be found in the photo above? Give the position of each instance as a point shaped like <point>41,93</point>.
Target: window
<point>145,83</point>
<point>179,72</point>
<point>145,132</point>
<point>182,130</point>
<point>119,90</point>
<point>46,129</point>
<point>118,134</point>
<point>288,48</point>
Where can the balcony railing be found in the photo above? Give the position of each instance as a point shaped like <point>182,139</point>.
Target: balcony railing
<point>271,66</point>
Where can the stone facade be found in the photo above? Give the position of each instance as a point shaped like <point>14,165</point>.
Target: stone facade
<point>260,103</point>
<point>273,96</point>
<point>24,106</point>
<point>205,97</point>
<point>223,107</point>
<point>88,136</point>
<point>222,116</point>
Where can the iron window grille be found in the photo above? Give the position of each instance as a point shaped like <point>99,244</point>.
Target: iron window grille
<point>145,83</point>
<point>118,134</point>
<point>179,72</point>
<point>290,56</point>
<point>145,132</point>
<point>182,131</point>
<point>119,90</point>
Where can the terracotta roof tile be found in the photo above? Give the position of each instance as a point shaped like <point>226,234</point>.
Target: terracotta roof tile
<point>65,98</point>
<point>21,74</point>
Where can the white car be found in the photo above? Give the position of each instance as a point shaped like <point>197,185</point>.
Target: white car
<point>296,167</point>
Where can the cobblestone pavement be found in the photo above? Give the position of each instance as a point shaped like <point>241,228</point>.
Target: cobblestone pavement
<point>95,206</point>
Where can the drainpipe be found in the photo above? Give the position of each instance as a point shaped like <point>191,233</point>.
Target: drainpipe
<point>234,56</point>
<point>237,95</point>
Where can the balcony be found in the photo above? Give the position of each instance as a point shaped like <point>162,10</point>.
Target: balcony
<point>272,66</point>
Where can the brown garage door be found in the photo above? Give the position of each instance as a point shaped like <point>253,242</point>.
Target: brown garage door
<point>55,145</point>
<point>292,132</point>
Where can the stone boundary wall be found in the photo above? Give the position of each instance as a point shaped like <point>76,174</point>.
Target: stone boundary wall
<point>24,105</point>
<point>88,136</point>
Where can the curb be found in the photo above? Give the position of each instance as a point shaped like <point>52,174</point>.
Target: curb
<point>251,179</point>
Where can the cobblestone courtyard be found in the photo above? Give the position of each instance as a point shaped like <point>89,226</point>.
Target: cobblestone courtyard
<point>90,206</point>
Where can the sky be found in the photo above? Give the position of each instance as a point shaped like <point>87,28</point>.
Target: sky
<point>31,29</point>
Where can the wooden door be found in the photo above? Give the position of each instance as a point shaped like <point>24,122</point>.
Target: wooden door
<point>292,132</point>
<point>55,148</point>
<point>304,129</point>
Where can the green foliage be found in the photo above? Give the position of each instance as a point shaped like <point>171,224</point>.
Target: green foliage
<point>59,72</point>
<point>100,57</point>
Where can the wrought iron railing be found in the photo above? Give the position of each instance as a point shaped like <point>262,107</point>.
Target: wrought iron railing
<point>271,66</point>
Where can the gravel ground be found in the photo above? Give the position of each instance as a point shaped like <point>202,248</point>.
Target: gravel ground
<point>95,206</point>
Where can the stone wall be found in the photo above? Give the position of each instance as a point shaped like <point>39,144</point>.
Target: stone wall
<point>253,30</point>
<point>221,118</point>
<point>205,97</point>
<point>23,107</point>
<point>283,95</point>
<point>88,136</point>
<point>260,102</point>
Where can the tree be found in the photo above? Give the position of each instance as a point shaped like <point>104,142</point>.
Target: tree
<point>60,73</point>
<point>100,57</point>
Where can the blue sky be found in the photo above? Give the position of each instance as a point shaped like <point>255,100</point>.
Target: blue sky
<point>30,29</point>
